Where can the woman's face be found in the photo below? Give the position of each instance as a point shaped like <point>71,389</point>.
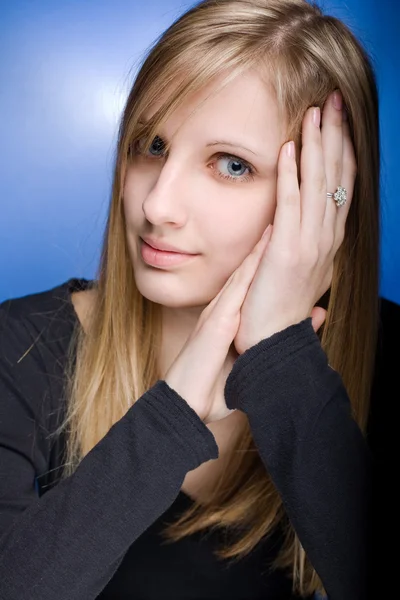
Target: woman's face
<point>212,196</point>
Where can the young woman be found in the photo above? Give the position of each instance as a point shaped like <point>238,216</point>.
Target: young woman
<point>194,417</point>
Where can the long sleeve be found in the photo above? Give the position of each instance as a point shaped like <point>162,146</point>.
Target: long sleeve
<point>68,543</point>
<point>300,417</point>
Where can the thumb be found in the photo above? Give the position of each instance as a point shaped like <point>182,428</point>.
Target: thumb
<point>318,316</point>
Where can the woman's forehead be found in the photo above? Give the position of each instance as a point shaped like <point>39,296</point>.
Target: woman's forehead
<point>245,106</point>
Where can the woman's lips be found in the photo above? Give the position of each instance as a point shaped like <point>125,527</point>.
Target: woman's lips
<point>162,258</point>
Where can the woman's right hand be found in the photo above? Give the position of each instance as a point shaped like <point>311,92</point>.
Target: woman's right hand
<point>200,371</point>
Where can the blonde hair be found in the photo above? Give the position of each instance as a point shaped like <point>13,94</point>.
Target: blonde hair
<point>304,55</point>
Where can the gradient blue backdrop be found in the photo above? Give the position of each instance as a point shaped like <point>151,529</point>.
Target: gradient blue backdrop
<point>65,70</point>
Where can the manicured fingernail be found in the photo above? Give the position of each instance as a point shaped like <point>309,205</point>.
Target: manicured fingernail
<point>337,100</point>
<point>316,116</point>
<point>290,149</point>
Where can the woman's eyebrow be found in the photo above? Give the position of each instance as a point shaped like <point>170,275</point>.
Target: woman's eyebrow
<point>143,121</point>
<point>233,145</point>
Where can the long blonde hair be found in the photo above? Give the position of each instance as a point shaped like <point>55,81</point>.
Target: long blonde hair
<point>305,55</point>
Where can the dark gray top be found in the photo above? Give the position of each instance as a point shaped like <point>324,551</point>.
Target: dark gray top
<point>96,534</point>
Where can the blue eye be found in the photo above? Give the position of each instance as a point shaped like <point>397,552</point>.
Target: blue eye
<point>157,142</point>
<point>237,164</point>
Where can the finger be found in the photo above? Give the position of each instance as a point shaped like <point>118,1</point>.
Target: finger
<point>332,144</point>
<point>348,178</point>
<point>318,316</point>
<point>313,178</point>
<point>241,274</point>
<point>287,212</point>
<point>231,300</point>
<point>251,259</point>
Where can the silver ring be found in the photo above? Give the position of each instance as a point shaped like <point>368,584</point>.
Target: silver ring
<point>340,196</point>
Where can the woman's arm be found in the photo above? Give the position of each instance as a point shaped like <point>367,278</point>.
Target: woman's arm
<point>68,543</point>
<point>300,417</point>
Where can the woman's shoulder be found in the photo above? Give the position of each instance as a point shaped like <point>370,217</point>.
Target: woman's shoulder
<point>47,315</point>
<point>35,333</point>
<point>39,305</point>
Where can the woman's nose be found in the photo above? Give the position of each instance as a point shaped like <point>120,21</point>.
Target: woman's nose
<point>167,201</point>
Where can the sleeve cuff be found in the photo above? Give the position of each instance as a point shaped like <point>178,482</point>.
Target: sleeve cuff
<point>191,431</point>
<point>251,369</point>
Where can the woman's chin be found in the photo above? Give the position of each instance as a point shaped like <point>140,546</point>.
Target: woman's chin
<point>175,297</point>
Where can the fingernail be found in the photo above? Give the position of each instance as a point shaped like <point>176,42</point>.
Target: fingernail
<point>316,116</point>
<point>290,149</point>
<point>337,100</point>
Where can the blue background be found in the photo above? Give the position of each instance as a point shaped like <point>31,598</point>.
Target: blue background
<point>66,68</point>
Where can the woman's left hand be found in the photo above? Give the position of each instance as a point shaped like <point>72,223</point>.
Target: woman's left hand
<point>296,267</point>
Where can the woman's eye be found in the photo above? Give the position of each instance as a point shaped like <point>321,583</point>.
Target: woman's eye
<point>157,145</point>
<point>235,168</point>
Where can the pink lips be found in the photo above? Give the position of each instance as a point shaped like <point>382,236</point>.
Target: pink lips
<point>162,258</point>
<point>160,245</point>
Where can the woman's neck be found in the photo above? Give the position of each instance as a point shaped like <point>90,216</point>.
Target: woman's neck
<point>177,325</point>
